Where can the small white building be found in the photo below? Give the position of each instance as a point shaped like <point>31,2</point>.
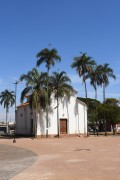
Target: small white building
<point>72,118</point>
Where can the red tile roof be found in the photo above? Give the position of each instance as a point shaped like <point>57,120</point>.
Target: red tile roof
<point>24,104</point>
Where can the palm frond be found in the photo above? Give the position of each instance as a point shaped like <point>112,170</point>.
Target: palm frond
<point>7,98</point>
<point>36,87</point>
<point>59,82</point>
<point>48,57</point>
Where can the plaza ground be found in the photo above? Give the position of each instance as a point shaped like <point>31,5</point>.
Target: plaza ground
<point>66,158</point>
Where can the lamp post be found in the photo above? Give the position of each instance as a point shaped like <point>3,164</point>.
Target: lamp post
<point>15,83</point>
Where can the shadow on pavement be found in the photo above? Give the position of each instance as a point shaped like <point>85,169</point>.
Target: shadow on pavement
<point>14,160</point>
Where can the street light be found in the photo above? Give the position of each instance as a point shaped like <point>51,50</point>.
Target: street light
<point>15,83</point>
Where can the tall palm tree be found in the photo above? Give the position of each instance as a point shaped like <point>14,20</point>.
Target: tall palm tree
<point>36,89</point>
<point>83,65</point>
<point>7,98</point>
<point>95,78</point>
<point>49,57</point>
<point>107,73</point>
<point>59,82</point>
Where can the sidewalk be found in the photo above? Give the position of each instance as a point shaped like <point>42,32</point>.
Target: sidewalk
<point>73,158</point>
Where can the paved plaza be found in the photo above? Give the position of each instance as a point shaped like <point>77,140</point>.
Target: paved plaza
<point>14,160</point>
<point>67,158</point>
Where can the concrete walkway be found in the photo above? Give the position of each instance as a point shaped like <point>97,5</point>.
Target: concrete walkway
<point>14,160</point>
<point>69,158</point>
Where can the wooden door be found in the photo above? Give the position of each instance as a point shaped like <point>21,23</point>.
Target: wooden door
<point>63,126</point>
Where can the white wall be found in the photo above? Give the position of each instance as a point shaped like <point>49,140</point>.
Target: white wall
<point>82,118</point>
<point>23,120</point>
<point>73,110</point>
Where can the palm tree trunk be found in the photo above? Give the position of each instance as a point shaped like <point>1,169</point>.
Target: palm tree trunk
<point>104,109</point>
<point>47,105</point>
<point>35,125</point>
<point>96,104</point>
<point>58,125</point>
<point>85,90</point>
<point>86,104</point>
<point>95,93</point>
<point>67,116</point>
<point>96,108</point>
<point>104,92</point>
<point>6,121</point>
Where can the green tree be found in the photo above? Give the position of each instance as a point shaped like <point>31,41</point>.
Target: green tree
<point>59,82</point>
<point>112,101</point>
<point>95,78</point>
<point>112,112</point>
<point>36,88</point>
<point>100,110</point>
<point>49,57</point>
<point>83,65</point>
<point>7,98</point>
<point>91,104</point>
<point>106,73</point>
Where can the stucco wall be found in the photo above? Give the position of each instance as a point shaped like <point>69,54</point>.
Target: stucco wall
<point>82,116</point>
<point>73,110</point>
<point>23,120</point>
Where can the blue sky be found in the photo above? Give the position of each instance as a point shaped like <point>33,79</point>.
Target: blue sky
<point>70,26</point>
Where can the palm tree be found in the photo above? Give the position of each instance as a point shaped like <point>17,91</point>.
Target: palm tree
<point>107,73</point>
<point>7,98</point>
<point>83,65</point>
<point>36,89</point>
<point>60,87</point>
<point>49,57</point>
<point>95,78</point>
